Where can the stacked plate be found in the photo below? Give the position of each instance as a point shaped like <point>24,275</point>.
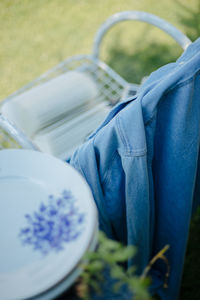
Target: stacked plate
<point>48,220</point>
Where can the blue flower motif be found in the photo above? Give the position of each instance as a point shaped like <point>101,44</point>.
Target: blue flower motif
<point>55,223</point>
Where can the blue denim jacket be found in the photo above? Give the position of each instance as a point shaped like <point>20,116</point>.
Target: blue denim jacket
<point>142,167</point>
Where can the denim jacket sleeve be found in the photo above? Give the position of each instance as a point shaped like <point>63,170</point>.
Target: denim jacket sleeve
<point>142,165</point>
<point>115,166</point>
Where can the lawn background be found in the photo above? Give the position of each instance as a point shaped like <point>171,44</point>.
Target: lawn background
<point>36,35</point>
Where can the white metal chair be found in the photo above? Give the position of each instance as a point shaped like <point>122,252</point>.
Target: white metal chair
<point>81,90</point>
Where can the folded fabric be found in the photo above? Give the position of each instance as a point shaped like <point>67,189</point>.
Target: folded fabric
<point>142,165</point>
<point>51,101</point>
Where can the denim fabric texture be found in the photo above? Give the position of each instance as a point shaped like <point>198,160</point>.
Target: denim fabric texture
<point>142,165</point>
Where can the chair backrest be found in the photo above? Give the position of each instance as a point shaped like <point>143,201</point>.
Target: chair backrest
<point>58,111</point>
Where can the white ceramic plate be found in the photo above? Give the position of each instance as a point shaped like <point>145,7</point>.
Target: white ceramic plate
<point>48,220</point>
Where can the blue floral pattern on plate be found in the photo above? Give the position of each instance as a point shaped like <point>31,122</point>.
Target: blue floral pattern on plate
<point>56,223</point>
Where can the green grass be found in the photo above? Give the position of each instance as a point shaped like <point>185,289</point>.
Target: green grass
<point>38,34</point>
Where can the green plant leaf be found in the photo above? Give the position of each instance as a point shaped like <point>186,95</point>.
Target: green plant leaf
<point>117,286</point>
<point>124,254</point>
<point>117,272</point>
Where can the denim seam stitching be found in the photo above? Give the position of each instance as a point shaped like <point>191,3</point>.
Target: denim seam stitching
<point>106,175</point>
<point>124,141</point>
<point>128,151</point>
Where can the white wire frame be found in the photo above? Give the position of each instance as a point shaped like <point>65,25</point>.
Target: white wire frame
<point>111,86</point>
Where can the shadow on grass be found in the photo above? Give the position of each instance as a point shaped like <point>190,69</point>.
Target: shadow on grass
<point>146,58</point>
<point>189,17</point>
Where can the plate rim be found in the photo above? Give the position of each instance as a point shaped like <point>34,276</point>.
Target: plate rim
<point>74,270</point>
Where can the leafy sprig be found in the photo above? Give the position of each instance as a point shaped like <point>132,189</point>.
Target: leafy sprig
<point>112,255</point>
